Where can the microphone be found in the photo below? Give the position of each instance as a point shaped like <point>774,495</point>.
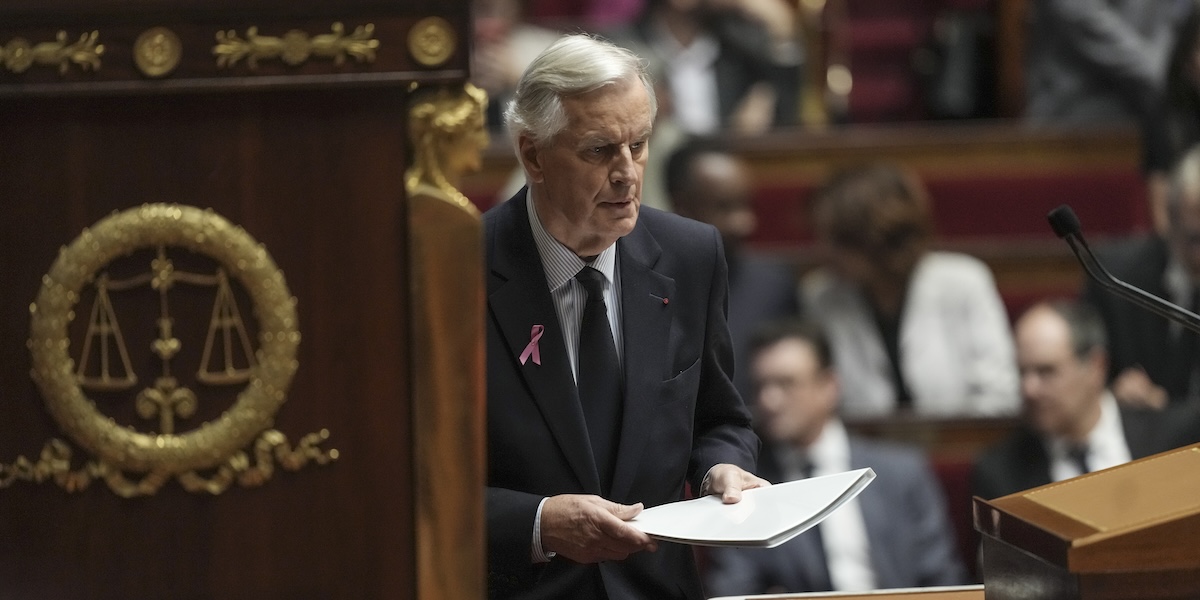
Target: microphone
<point>1066,225</point>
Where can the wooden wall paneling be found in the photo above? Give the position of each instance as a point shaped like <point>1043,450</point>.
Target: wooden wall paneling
<point>309,160</point>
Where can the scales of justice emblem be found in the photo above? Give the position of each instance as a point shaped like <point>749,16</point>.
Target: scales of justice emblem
<point>137,459</point>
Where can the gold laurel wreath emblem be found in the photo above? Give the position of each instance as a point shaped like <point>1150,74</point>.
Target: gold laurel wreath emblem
<point>217,444</point>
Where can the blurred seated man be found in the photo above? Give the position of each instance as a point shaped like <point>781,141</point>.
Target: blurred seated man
<point>1093,61</point>
<point>724,64</point>
<point>895,534</point>
<point>913,329</point>
<point>1073,423</point>
<point>504,44</point>
<point>1153,361</point>
<point>707,183</point>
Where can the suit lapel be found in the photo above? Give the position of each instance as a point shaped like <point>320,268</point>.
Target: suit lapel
<point>646,322</point>
<point>519,298</point>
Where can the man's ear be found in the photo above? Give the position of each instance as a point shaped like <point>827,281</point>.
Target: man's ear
<point>1098,360</point>
<point>531,158</point>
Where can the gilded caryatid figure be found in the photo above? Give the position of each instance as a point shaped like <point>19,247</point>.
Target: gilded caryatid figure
<point>447,128</point>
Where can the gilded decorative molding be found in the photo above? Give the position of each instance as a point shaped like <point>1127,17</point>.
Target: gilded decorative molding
<point>154,458</point>
<point>431,41</point>
<point>157,51</point>
<point>296,47</point>
<point>18,55</point>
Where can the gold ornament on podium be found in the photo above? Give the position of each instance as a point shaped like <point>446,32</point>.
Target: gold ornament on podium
<point>431,41</point>
<point>157,52</point>
<point>230,357</point>
<point>447,129</point>
<point>18,55</point>
<point>296,47</point>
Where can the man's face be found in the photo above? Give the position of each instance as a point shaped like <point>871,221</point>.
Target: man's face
<point>1061,391</point>
<point>587,181</point>
<point>794,395</point>
<point>719,194</point>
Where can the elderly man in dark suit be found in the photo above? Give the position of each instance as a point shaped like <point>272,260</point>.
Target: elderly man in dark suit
<point>896,534</point>
<point>609,362</point>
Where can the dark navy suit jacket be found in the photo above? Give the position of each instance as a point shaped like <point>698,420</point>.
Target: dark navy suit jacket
<point>681,412</point>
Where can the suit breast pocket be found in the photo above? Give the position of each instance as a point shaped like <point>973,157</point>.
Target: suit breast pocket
<point>683,384</point>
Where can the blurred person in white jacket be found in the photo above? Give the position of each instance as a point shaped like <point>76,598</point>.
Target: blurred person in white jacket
<point>913,330</point>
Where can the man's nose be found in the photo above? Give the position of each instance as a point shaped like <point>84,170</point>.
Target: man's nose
<point>623,168</point>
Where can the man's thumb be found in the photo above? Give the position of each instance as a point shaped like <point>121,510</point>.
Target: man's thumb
<point>626,511</point>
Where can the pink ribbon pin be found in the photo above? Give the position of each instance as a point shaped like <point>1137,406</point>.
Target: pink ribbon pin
<point>532,348</point>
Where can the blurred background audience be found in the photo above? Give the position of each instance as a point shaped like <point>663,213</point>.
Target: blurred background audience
<point>895,534</point>
<point>913,329</point>
<point>505,43</point>
<point>722,63</point>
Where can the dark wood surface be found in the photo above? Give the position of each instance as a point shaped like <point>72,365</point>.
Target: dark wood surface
<point>313,169</point>
<point>323,198</point>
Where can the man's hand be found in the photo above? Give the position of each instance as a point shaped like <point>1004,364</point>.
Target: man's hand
<point>728,481</point>
<point>1134,388</point>
<point>589,529</point>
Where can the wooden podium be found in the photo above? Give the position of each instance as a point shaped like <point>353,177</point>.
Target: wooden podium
<point>958,592</point>
<point>161,162</point>
<point>1132,531</point>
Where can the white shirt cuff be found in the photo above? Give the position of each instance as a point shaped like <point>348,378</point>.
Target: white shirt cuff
<point>537,554</point>
<point>704,484</point>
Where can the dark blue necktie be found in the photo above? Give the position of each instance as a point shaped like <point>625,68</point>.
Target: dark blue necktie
<point>821,581</point>
<point>1078,455</point>
<point>599,380</point>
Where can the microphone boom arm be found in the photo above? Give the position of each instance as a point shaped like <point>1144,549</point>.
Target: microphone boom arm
<point>1066,225</point>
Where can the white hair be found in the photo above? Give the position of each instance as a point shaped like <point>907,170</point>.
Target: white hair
<point>575,64</point>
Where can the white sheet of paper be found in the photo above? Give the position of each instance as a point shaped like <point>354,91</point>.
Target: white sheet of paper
<point>765,517</point>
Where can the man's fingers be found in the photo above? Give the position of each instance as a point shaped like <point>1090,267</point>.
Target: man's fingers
<point>589,529</point>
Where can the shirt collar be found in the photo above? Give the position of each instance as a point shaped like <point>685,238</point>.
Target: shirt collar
<point>829,454</point>
<point>1104,440</point>
<point>1177,282</point>
<point>559,262</point>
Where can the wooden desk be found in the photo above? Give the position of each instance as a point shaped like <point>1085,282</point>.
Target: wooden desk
<point>963,592</point>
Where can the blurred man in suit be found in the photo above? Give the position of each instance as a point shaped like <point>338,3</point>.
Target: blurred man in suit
<point>1096,62</point>
<point>708,183</point>
<point>895,534</point>
<point>1073,423</point>
<point>1155,362</point>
